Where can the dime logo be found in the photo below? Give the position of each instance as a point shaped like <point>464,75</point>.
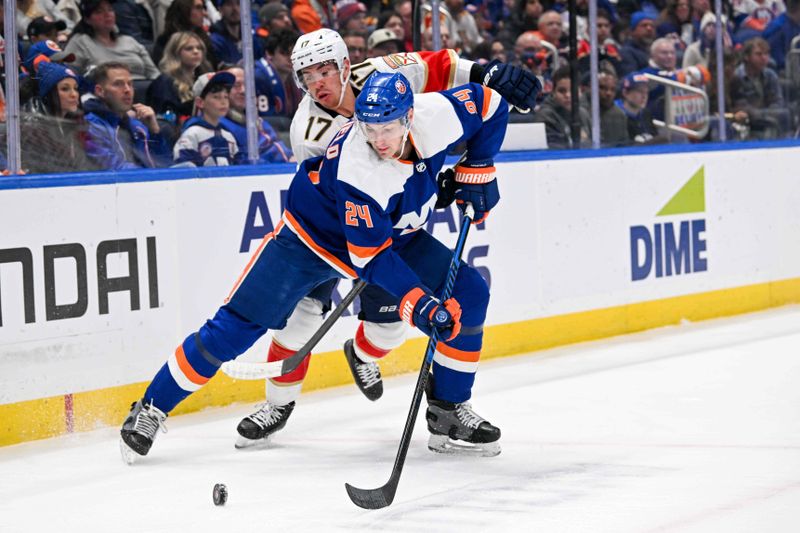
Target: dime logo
<point>673,247</point>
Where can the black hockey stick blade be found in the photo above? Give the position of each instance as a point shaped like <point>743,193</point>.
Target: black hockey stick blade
<point>373,498</point>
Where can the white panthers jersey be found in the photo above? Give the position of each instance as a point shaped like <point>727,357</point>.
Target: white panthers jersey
<point>313,126</point>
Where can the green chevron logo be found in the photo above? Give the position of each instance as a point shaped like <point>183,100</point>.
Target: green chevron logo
<point>691,198</point>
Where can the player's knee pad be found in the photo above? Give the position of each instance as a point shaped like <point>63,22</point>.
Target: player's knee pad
<point>472,293</point>
<point>373,341</point>
<point>227,335</point>
<point>220,339</point>
<point>304,321</point>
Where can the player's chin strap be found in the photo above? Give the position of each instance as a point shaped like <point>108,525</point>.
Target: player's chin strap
<point>405,138</point>
<point>344,78</point>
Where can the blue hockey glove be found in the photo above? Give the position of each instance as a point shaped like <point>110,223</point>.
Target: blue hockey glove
<point>476,184</point>
<point>446,181</point>
<point>518,86</point>
<point>422,310</point>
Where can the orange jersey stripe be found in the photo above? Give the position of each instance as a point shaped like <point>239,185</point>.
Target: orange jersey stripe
<point>252,261</point>
<point>187,369</point>
<point>487,99</point>
<point>319,250</point>
<point>368,251</point>
<point>458,355</point>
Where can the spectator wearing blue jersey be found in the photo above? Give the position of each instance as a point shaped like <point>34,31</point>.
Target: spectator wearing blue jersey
<point>204,142</point>
<point>44,51</point>
<point>781,31</point>
<point>270,148</point>
<point>633,103</point>
<point>277,93</point>
<point>135,19</point>
<point>226,41</point>
<point>121,134</point>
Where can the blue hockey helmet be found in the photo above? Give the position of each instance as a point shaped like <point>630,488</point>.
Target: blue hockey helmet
<point>385,97</point>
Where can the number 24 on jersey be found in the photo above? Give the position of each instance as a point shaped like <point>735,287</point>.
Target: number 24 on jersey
<point>354,212</point>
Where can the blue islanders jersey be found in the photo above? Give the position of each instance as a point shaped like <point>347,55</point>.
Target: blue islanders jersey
<point>205,145</point>
<point>354,210</point>
<point>271,98</point>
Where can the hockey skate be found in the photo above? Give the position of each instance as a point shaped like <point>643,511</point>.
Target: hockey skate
<point>139,430</point>
<point>456,429</point>
<point>255,430</point>
<point>366,375</point>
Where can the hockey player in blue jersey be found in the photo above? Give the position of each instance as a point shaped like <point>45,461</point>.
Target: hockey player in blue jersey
<point>322,69</point>
<point>360,211</point>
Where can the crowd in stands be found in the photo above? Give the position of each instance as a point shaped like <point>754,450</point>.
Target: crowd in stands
<point>116,84</point>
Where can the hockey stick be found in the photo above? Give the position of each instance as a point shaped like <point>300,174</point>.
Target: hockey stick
<point>248,370</point>
<point>383,496</point>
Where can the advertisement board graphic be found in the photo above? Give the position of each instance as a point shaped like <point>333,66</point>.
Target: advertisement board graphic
<point>673,247</point>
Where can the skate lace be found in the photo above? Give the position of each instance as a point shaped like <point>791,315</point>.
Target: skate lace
<point>149,420</point>
<point>267,414</point>
<point>369,374</point>
<point>467,416</point>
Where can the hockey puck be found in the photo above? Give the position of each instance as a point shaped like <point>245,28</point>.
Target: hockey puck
<point>220,494</point>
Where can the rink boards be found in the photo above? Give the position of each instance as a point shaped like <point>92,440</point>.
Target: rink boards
<point>100,282</point>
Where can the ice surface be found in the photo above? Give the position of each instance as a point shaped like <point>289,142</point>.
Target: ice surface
<point>691,428</point>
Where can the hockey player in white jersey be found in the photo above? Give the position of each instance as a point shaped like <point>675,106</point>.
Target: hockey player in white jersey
<point>322,70</point>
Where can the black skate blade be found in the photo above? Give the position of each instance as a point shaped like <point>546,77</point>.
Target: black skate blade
<point>370,498</point>
<point>243,443</point>
<point>129,455</point>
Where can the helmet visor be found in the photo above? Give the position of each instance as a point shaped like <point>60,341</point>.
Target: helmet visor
<point>382,131</point>
<point>314,73</point>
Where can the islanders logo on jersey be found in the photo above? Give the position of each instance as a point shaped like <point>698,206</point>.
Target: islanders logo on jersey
<point>400,87</point>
